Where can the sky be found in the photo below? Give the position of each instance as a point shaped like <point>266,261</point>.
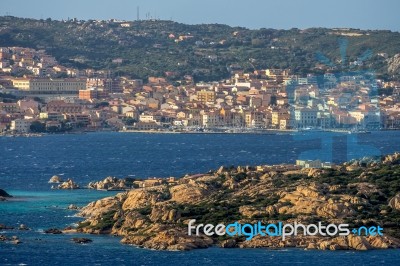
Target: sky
<point>254,14</point>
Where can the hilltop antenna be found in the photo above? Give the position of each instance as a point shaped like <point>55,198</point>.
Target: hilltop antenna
<point>137,13</point>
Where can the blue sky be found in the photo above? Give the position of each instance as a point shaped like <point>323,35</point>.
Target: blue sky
<point>286,14</point>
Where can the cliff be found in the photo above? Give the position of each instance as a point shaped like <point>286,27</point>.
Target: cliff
<point>356,193</point>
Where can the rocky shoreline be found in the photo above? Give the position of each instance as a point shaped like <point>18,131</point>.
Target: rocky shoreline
<point>358,193</point>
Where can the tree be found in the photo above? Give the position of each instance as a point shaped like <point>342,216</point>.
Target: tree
<point>129,121</point>
<point>38,127</point>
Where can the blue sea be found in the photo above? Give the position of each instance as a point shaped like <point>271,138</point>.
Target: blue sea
<point>26,165</point>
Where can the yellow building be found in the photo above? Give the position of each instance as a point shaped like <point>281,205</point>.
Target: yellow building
<point>204,96</point>
<point>49,86</point>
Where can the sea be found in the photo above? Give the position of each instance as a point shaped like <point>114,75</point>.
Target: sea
<point>27,164</point>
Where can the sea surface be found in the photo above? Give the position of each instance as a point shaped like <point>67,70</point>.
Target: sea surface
<point>26,165</point>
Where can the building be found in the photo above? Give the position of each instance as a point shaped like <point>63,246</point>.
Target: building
<point>20,125</point>
<point>205,96</point>
<point>63,107</point>
<point>211,119</point>
<point>313,164</point>
<point>49,86</point>
<point>147,118</point>
<point>9,107</point>
<point>52,116</point>
<point>146,126</point>
<point>88,94</point>
<point>306,117</point>
<point>279,115</point>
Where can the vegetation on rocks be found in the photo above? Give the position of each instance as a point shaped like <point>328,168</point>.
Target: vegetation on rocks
<point>356,193</point>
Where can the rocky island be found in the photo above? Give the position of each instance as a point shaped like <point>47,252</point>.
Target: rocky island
<point>360,192</point>
<point>69,184</point>
<point>4,195</point>
<point>111,183</point>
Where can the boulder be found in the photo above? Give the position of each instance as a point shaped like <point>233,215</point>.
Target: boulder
<point>163,213</point>
<point>23,227</point>
<point>81,240</point>
<point>391,158</point>
<point>5,227</point>
<point>312,245</point>
<point>221,170</point>
<point>72,207</point>
<point>55,179</point>
<point>16,241</point>
<point>109,183</point>
<point>358,243</point>
<point>189,193</point>
<point>394,202</point>
<point>335,210</point>
<point>96,208</point>
<point>167,237</point>
<point>229,243</point>
<point>53,231</point>
<point>314,172</point>
<point>69,184</point>
<point>139,198</point>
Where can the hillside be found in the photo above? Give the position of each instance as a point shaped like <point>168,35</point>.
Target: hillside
<point>150,48</point>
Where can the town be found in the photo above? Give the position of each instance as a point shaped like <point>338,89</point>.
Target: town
<point>38,95</point>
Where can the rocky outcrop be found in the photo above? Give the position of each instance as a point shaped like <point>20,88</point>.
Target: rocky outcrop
<point>394,202</point>
<point>229,243</point>
<point>164,213</point>
<point>23,227</point>
<point>6,227</point>
<point>392,158</point>
<point>4,194</point>
<point>167,237</point>
<point>69,184</point>
<point>12,240</point>
<point>139,198</point>
<point>55,179</point>
<point>190,192</point>
<point>72,207</point>
<point>96,208</point>
<point>53,231</point>
<point>15,240</point>
<point>81,240</point>
<point>394,64</point>
<point>157,217</point>
<point>109,183</point>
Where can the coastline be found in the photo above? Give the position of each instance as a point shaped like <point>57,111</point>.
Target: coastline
<point>244,131</point>
<point>157,217</point>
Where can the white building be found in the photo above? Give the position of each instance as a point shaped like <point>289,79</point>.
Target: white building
<point>20,125</point>
<point>306,117</point>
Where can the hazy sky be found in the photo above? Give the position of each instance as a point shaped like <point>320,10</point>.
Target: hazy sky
<point>364,14</point>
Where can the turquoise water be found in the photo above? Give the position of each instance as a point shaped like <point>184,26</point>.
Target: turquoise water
<point>26,165</point>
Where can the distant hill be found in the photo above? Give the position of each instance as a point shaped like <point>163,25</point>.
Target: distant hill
<point>206,51</point>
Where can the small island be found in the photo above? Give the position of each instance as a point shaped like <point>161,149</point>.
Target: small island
<point>360,192</point>
<point>4,195</point>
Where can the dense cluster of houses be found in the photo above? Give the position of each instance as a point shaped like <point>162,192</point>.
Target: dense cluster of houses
<point>269,99</point>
